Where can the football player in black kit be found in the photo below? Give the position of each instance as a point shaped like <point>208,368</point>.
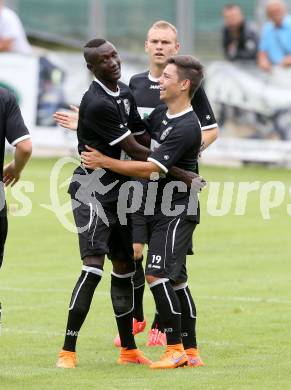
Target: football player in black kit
<point>176,140</point>
<point>106,115</point>
<point>12,129</point>
<point>161,43</point>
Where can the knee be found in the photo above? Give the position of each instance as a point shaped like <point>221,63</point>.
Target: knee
<point>94,261</point>
<point>138,250</point>
<point>122,268</point>
<point>150,279</point>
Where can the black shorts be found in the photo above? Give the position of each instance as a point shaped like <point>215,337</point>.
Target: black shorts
<point>140,227</point>
<point>141,233</point>
<point>168,245</point>
<point>96,238</point>
<point>3,232</point>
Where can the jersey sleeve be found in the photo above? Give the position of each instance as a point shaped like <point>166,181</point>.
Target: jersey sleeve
<point>203,110</point>
<point>103,119</point>
<point>177,143</point>
<point>16,130</point>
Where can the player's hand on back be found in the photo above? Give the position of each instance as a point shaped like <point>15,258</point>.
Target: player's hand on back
<point>68,120</point>
<point>92,159</point>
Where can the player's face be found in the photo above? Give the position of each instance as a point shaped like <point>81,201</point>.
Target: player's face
<point>107,63</point>
<point>170,85</point>
<point>160,45</point>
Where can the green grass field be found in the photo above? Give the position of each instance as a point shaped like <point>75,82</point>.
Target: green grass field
<point>240,278</point>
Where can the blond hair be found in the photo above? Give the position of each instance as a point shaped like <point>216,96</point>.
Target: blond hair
<point>163,24</point>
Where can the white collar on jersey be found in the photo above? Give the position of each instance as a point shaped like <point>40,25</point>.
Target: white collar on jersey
<point>153,79</point>
<point>169,116</point>
<point>107,90</point>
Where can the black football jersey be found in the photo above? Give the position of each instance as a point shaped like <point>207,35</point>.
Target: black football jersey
<point>105,119</point>
<point>146,92</point>
<point>12,127</point>
<point>176,141</point>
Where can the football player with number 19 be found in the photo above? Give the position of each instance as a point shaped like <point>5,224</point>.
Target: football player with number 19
<point>176,140</point>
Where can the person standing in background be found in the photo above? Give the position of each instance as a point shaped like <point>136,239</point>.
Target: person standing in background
<point>12,35</point>
<point>239,38</point>
<point>275,43</point>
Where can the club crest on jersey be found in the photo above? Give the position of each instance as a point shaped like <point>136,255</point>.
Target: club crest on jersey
<point>126,106</point>
<point>165,133</point>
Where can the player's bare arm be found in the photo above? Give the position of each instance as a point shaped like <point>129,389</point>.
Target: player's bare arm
<point>12,171</point>
<point>94,159</point>
<point>142,169</point>
<point>209,136</point>
<point>137,152</point>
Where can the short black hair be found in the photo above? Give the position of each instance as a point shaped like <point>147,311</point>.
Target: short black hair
<point>189,68</point>
<point>92,44</point>
<point>95,42</point>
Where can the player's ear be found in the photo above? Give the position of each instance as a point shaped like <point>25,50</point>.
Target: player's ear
<point>185,84</point>
<point>90,67</point>
<point>177,47</point>
<point>146,46</point>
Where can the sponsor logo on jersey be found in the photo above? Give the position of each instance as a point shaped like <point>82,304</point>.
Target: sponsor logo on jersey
<point>154,86</point>
<point>165,133</point>
<point>208,117</point>
<point>166,157</point>
<point>164,122</point>
<point>118,101</point>
<point>126,106</point>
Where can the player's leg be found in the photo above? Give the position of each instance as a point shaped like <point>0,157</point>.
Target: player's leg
<point>184,234</point>
<point>122,293</point>
<point>139,282</point>
<point>139,233</point>
<point>3,232</point>
<point>139,238</point>
<point>93,236</point>
<point>188,324</point>
<point>160,267</point>
<point>156,337</point>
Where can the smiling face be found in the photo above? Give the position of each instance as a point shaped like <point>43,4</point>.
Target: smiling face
<point>104,62</point>
<point>161,44</point>
<point>170,84</point>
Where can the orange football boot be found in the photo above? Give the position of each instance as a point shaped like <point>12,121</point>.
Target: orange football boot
<point>134,356</point>
<point>174,357</point>
<point>67,359</point>
<point>194,359</point>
